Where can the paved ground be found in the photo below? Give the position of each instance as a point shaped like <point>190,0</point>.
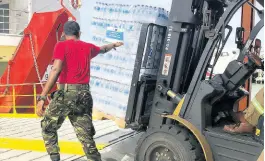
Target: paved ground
<point>30,129</point>
<point>107,132</point>
<point>112,153</point>
<point>123,151</point>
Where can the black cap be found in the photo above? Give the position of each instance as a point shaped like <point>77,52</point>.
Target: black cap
<point>71,28</point>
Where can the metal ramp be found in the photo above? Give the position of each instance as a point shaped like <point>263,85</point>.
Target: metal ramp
<point>21,140</point>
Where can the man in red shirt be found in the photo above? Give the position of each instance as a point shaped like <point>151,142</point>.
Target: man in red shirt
<point>73,99</point>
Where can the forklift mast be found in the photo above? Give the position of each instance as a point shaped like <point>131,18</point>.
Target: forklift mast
<point>191,24</point>
<point>188,31</point>
<point>170,96</point>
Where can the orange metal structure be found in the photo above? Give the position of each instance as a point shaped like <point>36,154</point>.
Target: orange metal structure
<point>247,22</point>
<point>32,56</point>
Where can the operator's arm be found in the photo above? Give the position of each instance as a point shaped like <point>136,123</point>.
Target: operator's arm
<point>53,77</point>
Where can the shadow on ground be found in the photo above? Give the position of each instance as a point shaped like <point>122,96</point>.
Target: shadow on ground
<point>109,159</point>
<point>123,151</point>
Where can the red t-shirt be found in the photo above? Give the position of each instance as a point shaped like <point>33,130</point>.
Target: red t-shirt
<point>76,56</point>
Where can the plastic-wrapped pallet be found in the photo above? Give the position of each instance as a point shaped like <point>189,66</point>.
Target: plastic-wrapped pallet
<point>112,72</point>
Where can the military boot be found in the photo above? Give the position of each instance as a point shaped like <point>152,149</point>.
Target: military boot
<point>55,157</point>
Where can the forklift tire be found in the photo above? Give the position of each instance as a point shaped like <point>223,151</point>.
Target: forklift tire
<point>168,143</point>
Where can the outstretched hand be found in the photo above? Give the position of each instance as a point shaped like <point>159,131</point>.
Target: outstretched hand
<point>118,44</point>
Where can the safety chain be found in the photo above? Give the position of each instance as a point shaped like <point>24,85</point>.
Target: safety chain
<point>36,64</point>
<point>35,60</point>
<point>7,80</point>
<point>9,68</point>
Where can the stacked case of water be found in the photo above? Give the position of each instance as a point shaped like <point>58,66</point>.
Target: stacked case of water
<point>111,73</point>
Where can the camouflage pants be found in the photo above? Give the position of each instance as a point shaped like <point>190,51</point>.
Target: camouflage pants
<point>77,105</point>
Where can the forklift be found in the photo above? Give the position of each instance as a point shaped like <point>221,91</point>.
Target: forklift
<point>181,112</point>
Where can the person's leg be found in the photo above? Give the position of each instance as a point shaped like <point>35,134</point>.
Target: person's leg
<point>52,121</point>
<point>85,131</point>
<point>82,123</point>
<point>251,117</point>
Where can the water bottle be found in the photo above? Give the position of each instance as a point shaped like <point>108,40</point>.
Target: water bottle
<point>130,10</point>
<point>109,57</point>
<point>107,88</point>
<point>120,11</point>
<point>113,12</point>
<point>99,85</point>
<point>93,27</point>
<point>91,82</point>
<point>103,8</point>
<point>164,16</point>
<point>126,91</point>
<point>127,13</point>
<point>150,13</point>
<point>105,14</point>
<point>110,11</point>
<point>158,18</point>
<point>129,76</point>
<point>98,70</point>
<point>115,90</point>
<point>137,31</point>
<point>102,27</point>
<point>99,9</point>
<point>135,13</point>
<point>155,13</point>
<point>123,61</point>
<point>145,13</point>
<point>116,10</point>
<point>140,13</point>
<point>112,74</point>
<point>96,9</point>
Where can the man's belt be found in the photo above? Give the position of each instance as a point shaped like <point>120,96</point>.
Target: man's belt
<point>67,87</point>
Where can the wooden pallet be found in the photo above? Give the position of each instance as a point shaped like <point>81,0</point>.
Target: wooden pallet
<point>100,115</point>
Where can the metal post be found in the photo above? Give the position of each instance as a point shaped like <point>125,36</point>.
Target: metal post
<point>35,97</point>
<point>247,19</point>
<point>14,99</point>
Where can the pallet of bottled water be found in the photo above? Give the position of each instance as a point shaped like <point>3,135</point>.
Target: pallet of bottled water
<point>111,73</point>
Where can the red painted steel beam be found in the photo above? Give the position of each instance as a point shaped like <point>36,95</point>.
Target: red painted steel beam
<point>247,21</point>
<point>44,28</point>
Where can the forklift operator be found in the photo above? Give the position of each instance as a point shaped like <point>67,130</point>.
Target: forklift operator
<point>73,99</point>
<point>251,116</point>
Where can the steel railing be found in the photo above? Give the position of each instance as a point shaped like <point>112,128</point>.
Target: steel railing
<point>12,93</point>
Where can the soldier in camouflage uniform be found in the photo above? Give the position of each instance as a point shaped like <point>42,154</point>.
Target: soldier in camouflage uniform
<point>73,99</point>
<point>77,105</point>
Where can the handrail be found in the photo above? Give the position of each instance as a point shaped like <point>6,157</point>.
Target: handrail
<point>3,85</point>
<point>14,105</point>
